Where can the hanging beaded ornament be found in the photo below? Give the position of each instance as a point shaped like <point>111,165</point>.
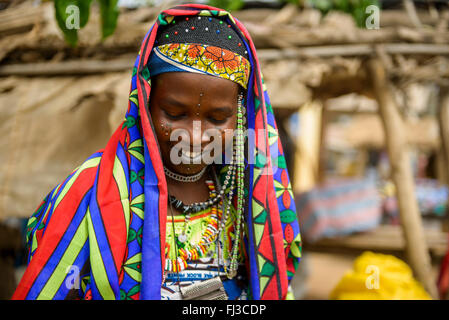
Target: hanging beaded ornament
<point>238,175</point>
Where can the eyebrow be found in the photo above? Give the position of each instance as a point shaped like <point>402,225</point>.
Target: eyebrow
<point>174,102</point>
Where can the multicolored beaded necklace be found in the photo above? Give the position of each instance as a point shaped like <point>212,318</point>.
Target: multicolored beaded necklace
<point>209,235</point>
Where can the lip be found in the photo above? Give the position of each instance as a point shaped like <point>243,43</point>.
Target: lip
<point>189,154</point>
<point>188,157</point>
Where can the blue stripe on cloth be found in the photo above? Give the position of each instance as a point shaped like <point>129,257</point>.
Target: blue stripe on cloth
<point>93,287</point>
<point>52,201</point>
<point>103,244</point>
<point>124,162</point>
<point>254,272</point>
<point>55,258</point>
<point>160,63</point>
<point>44,209</point>
<point>64,183</point>
<point>151,251</point>
<point>80,260</point>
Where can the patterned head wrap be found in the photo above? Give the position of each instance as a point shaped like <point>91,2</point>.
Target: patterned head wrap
<point>106,222</point>
<point>206,45</point>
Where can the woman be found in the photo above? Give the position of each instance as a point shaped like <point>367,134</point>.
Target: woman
<point>148,217</point>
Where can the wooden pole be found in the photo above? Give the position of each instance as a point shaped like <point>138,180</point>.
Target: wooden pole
<point>411,220</point>
<point>443,121</point>
<point>322,147</point>
<point>307,147</point>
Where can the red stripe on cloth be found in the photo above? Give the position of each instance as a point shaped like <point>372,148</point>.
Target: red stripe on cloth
<point>256,70</point>
<point>197,6</point>
<point>277,236</point>
<point>259,191</point>
<point>108,199</point>
<point>265,245</point>
<point>179,12</point>
<point>261,131</point>
<point>152,144</point>
<point>271,291</point>
<point>57,226</point>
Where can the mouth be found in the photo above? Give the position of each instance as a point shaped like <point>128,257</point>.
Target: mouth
<point>188,157</point>
<point>191,154</point>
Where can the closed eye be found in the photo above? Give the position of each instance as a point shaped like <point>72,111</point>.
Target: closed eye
<point>218,121</point>
<point>220,115</point>
<point>174,116</point>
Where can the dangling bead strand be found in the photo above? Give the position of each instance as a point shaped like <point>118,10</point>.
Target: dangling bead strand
<point>240,166</point>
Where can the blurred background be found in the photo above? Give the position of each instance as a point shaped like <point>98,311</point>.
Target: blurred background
<point>360,92</point>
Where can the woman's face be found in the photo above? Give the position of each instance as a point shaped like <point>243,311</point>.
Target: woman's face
<point>193,112</point>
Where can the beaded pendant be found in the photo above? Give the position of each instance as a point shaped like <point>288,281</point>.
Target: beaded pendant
<point>200,249</point>
<point>182,237</point>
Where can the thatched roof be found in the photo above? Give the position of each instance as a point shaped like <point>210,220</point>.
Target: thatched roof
<point>59,105</point>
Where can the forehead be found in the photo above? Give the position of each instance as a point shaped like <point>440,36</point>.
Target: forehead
<point>188,85</point>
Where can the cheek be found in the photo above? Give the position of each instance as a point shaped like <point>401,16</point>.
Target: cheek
<point>161,127</point>
<point>226,132</point>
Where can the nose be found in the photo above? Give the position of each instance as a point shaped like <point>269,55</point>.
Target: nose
<point>194,136</point>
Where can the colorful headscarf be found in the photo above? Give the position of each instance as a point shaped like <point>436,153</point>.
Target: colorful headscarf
<point>204,45</point>
<point>200,58</point>
<point>107,221</point>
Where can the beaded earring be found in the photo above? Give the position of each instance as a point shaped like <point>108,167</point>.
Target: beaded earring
<point>238,167</point>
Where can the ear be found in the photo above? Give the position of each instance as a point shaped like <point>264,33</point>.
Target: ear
<point>154,83</point>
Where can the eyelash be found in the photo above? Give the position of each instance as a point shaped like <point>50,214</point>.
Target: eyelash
<point>215,121</point>
<point>174,117</point>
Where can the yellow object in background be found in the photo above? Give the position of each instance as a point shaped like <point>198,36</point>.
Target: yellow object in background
<point>379,277</point>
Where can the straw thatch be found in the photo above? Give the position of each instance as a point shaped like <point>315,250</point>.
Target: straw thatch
<point>59,105</point>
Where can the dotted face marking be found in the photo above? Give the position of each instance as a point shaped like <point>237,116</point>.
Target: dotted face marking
<point>199,103</point>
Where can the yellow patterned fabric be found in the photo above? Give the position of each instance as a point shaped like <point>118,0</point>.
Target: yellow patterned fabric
<point>205,59</point>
